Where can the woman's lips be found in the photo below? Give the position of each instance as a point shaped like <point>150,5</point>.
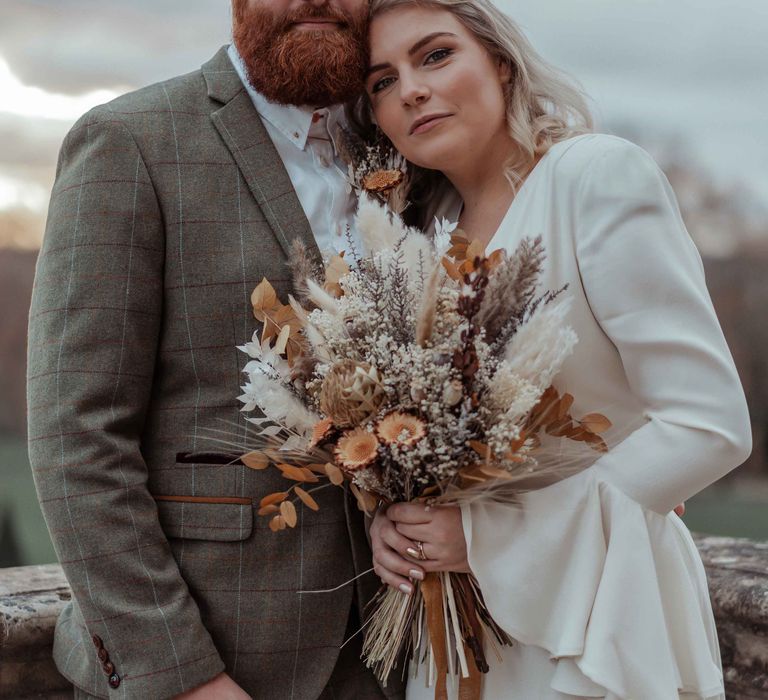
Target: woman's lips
<point>429,123</point>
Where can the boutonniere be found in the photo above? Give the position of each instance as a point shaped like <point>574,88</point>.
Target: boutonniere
<point>374,167</point>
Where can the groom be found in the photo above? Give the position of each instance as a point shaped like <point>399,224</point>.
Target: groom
<point>170,205</point>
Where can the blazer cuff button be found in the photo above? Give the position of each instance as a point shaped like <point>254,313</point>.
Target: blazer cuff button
<point>114,681</point>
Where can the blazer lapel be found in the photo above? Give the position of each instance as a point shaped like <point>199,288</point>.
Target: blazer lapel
<point>244,134</point>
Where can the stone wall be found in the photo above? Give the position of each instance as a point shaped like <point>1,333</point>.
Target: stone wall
<point>31,598</point>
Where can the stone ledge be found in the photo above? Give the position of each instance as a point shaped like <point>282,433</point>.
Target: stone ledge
<point>737,571</point>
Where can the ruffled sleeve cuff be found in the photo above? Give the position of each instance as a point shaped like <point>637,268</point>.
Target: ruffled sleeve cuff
<point>614,591</point>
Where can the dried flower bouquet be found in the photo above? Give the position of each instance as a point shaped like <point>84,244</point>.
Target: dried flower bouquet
<point>421,370</point>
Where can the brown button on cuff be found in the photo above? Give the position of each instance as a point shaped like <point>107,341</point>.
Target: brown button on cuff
<point>108,667</point>
<point>103,655</point>
<point>97,641</point>
<point>114,680</point>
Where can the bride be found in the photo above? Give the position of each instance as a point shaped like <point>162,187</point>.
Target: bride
<point>599,584</point>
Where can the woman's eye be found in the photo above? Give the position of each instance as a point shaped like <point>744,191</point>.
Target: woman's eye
<point>437,55</point>
<point>381,84</point>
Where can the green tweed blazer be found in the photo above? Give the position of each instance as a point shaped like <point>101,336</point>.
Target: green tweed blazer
<point>170,205</point>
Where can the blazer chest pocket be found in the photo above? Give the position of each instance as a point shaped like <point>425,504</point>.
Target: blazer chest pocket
<point>221,519</point>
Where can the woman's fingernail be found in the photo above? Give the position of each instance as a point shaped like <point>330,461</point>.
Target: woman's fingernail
<point>405,588</point>
<point>411,552</point>
<point>415,573</point>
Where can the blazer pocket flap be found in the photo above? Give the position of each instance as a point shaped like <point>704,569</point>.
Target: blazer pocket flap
<point>221,519</point>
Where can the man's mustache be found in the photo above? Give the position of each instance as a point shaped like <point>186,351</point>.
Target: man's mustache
<point>328,12</point>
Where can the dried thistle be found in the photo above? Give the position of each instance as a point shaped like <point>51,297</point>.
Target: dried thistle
<point>511,287</point>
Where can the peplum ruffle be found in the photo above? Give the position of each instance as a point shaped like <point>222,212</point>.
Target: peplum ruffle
<point>614,592</point>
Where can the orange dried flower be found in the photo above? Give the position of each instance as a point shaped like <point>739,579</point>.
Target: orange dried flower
<point>320,431</point>
<point>356,449</point>
<point>382,180</point>
<point>401,428</point>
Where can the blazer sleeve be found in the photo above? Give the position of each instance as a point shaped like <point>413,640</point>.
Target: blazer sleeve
<point>595,569</point>
<point>94,326</point>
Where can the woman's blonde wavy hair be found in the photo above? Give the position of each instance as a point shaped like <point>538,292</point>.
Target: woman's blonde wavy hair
<point>543,105</point>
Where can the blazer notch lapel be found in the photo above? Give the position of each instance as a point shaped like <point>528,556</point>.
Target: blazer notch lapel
<point>244,134</point>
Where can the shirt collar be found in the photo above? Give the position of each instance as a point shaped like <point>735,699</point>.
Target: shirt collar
<point>291,121</point>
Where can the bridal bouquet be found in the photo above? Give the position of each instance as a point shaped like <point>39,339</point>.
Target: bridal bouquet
<point>419,371</point>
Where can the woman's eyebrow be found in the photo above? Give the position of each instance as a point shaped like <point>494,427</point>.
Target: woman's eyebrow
<point>421,42</point>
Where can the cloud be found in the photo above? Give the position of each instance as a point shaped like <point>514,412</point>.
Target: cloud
<point>30,142</point>
<point>689,71</point>
<point>707,40</point>
<point>83,45</point>
<point>21,228</point>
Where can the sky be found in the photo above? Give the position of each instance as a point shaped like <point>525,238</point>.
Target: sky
<point>688,75</point>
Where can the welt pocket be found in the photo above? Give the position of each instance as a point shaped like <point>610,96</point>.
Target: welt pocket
<point>223,458</point>
<point>215,518</point>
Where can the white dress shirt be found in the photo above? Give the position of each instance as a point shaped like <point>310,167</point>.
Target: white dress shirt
<point>304,138</point>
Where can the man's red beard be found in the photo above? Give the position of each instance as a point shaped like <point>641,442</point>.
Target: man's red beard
<point>290,66</point>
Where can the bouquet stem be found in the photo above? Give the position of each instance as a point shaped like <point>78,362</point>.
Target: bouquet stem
<point>443,623</point>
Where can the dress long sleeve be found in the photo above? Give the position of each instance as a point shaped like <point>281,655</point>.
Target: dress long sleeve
<point>594,569</point>
<point>644,282</point>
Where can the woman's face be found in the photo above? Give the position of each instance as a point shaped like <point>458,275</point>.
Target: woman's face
<point>435,90</point>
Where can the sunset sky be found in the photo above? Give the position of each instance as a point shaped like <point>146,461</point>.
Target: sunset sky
<point>688,74</point>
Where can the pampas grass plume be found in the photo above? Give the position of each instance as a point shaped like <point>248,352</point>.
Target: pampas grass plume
<point>541,345</point>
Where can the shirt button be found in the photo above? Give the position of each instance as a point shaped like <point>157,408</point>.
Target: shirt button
<point>295,134</point>
<point>114,680</point>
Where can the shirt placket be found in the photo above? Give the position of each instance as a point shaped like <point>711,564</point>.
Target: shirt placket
<point>324,155</point>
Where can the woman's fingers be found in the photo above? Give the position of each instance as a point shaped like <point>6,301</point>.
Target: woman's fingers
<point>393,565</point>
<point>412,533</point>
<point>410,513</point>
<point>396,541</point>
<point>390,566</point>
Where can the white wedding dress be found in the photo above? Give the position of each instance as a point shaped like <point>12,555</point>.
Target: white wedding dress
<point>599,584</point>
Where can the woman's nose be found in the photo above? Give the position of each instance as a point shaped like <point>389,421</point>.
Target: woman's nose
<point>413,92</point>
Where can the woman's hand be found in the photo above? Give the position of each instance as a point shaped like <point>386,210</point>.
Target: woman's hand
<point>390,553</point>
<point>396,531</point>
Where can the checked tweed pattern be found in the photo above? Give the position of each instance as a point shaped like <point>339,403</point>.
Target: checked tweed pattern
<point>170,205</point>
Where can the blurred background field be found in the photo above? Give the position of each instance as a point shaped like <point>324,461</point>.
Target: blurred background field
<point>685,80</point>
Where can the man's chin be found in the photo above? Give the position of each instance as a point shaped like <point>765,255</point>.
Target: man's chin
<point>310,61</point>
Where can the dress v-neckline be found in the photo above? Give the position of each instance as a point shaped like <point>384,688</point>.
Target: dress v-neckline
<point>514,204</point>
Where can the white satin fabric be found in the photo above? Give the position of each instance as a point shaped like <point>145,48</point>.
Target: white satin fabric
<point>601,586</point>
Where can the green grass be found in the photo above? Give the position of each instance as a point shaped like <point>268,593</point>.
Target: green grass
<point>17,495</point>
<point>721,510</point>
<point>736,510</point>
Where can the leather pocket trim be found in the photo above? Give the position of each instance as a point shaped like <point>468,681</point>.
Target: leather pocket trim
<point>210,518</point>
<point>235,500</point>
